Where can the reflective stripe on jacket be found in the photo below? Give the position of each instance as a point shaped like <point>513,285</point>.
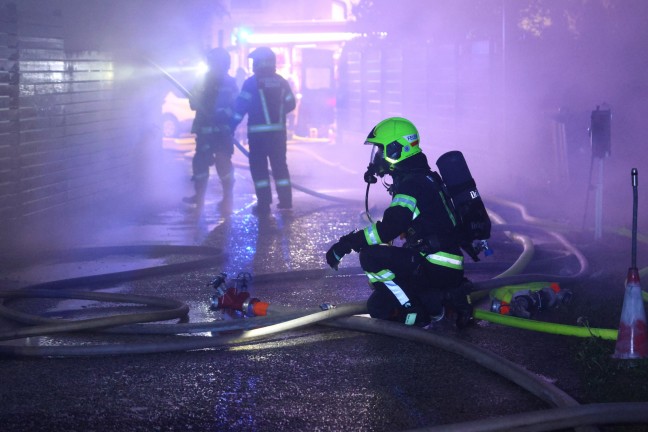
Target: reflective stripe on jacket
<point>266,100</point>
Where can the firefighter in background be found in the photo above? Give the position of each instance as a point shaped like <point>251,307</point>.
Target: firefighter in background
<point>413,283</point>
<point>266,98</point>
<point>213,100</point>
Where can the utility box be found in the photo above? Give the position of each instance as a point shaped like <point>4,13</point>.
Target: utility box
<point>600,132</point>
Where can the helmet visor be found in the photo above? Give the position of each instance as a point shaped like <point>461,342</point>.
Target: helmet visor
<point>393,151</point>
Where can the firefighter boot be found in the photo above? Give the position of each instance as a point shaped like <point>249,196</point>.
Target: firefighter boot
<point>198,199</point>
<point>225,204</point>
<point>225,170</point>
<point>458,299</point>
<point>284,193</point>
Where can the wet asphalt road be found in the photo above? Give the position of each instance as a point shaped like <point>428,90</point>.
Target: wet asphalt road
<point>312,378</point>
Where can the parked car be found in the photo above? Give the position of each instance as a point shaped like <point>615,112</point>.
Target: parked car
<point>177,116</point>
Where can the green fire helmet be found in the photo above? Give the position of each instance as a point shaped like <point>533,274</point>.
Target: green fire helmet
<point>398,138</point>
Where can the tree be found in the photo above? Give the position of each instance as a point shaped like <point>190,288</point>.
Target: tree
<point>526,20</point>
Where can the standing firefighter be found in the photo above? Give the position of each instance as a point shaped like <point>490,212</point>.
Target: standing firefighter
<point>266,98</point>
<point>411,284</point>
<point>213,100</point>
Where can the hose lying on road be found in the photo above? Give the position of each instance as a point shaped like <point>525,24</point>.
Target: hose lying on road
<point>514,372</point>
<point>546,327</point>
<point>175,309</point>
<point>121,324</point>
<point>210,257</point>
<point>182,343</point>
<point>554,419</point>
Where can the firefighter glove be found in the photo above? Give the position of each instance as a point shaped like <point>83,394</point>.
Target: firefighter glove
<point>336,252</point>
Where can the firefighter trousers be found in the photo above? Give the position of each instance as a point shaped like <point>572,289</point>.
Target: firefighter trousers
<point>270,147</point>
<point>217,150</point>
<point>406,287</point>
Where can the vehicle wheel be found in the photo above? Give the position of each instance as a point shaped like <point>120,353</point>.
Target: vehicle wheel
<point>169,126</point>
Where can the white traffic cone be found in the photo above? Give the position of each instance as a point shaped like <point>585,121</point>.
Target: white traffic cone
<point>632,341</point>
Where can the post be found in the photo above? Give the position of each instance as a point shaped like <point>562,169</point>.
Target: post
<point>598,206</point>
<point>600,135</point>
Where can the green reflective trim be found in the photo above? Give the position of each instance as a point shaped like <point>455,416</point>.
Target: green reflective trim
<point>267,127</point>
<point>446,260</point>
<point>381,276</point>
<point>262,184</point>
<point>264,105</point>
<point>387,278</point>
<point>410,319</point>
<point>404,201</point>
<point>283,182</point>
<point>450,213</point>
<point>398,292</point>
<point>282,107</point>
<point>214,129</point>
<point>371,235</point>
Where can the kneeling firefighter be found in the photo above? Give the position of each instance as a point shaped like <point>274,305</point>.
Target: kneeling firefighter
<point>412,284</point>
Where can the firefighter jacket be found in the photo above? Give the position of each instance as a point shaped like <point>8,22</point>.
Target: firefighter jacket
<point>421,212</point>
<point>213,100</point>
<point>266,99</point>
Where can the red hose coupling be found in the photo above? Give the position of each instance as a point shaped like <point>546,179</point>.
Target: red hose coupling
<point>233,299</point>
<point>255,307</point>
<point>242,302</point>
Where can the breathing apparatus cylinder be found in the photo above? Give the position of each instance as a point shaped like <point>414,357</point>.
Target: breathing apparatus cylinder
<point>474,223</point>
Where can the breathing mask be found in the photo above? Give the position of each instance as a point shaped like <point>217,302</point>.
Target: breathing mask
<point>377,167</point>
